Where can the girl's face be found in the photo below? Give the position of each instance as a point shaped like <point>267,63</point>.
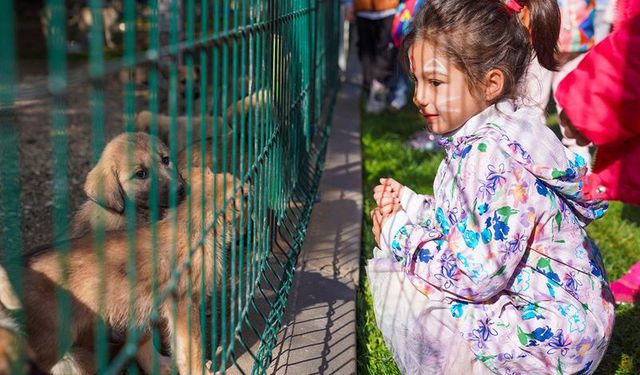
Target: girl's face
<point>441,91</point>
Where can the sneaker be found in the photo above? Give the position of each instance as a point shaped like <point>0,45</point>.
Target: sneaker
<point>377,102</point>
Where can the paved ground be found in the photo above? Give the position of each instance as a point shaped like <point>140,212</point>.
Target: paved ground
<point>320,336</point>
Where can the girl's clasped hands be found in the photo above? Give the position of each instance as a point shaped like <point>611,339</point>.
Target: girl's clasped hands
<point>387,198</point>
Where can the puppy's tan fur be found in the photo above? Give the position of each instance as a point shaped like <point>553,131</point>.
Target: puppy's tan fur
<point>144,118</point>
<point>114,179</point>
<point>242,109</point>
<point>9,342</point>
<point>43,274</point>
<point>9,332</point>
<point>109,183</point>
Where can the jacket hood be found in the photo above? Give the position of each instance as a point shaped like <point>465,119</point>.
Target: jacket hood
<point>523,135</point>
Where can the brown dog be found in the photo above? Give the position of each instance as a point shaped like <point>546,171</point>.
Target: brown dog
<point>44,275</point>
<point>116,177</point>
<point>124,172</point>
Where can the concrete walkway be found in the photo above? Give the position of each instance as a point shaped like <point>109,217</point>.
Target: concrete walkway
<point>319,335</point>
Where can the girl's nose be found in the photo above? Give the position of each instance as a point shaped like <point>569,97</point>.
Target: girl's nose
<point>420,98</point>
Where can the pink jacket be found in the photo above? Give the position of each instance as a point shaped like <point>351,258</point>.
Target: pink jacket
<point>601,97</point>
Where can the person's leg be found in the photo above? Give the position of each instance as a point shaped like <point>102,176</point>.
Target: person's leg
<point>399,88</point>
<point>366,50</point>
<point>415,328</point>
<point>384,63</point>
<point>343,42</point>
<point>386,54</point>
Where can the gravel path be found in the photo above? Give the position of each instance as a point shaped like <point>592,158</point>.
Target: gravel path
<point>36,159</point>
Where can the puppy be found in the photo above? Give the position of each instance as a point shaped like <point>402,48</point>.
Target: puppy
<point>243,108</point>
<point>115,178</point>
<point>44,275</point>
<point>143,124</point>
<point>124,172</point>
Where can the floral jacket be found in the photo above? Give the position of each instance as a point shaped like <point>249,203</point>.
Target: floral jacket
<point>503,241</point>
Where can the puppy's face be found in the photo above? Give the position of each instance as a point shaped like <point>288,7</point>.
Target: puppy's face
<point>125,170</point>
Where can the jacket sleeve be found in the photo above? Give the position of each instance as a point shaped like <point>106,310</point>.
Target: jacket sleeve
<point>481,233</point>
<point>419,207</point>
<point>601,96</point>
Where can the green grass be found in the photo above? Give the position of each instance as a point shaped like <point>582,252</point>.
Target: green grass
<point>384,155</point>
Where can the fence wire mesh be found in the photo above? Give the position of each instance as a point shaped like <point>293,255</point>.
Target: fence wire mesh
<point>159,161</point>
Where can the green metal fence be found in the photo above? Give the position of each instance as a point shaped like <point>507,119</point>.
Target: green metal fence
<point>252,81</point>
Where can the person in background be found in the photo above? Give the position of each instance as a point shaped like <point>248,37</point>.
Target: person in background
<point>600,101</point>
<point>375,50</point>
<point>577,36</point>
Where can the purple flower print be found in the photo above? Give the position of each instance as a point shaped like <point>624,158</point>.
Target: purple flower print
<point>571,284</point>
<point>559,342</point>
<point>483,333</point>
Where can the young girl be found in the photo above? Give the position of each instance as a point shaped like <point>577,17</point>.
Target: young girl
<point>495,273</point>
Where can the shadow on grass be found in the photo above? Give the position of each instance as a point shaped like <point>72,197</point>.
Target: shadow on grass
<point>631,214</point>
<point>623,354</point>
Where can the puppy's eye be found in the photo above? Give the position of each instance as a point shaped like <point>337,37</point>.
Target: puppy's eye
<point>142,174</point>
<point>165,160</point>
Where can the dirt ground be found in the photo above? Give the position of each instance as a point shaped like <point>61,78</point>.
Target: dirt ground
<point>34,126</point>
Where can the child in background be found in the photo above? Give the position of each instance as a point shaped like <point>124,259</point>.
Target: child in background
<point>577,36</point>
<point>495,273</point>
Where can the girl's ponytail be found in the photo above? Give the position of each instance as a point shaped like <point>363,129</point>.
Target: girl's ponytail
<point>544,29</point>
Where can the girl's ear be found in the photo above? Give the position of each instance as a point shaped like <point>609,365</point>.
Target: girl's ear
<point>494,84</point>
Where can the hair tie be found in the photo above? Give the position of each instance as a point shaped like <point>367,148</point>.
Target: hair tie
<point>512,6</point>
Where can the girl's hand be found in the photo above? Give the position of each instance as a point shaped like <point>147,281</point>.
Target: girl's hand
<point>379,217</point>
<point>388,192</point>
<point>376,217</point>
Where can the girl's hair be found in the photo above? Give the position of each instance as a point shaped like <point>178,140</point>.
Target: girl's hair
<point>480,35</point>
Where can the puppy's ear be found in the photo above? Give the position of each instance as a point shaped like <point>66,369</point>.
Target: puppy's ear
<point>103,187</point>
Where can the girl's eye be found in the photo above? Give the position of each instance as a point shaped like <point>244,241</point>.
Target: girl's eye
<point>165,160</point>
<point>142,174</point>
<point>435,83</point>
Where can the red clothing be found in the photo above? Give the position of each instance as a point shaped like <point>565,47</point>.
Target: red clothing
<point>601,97</point>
